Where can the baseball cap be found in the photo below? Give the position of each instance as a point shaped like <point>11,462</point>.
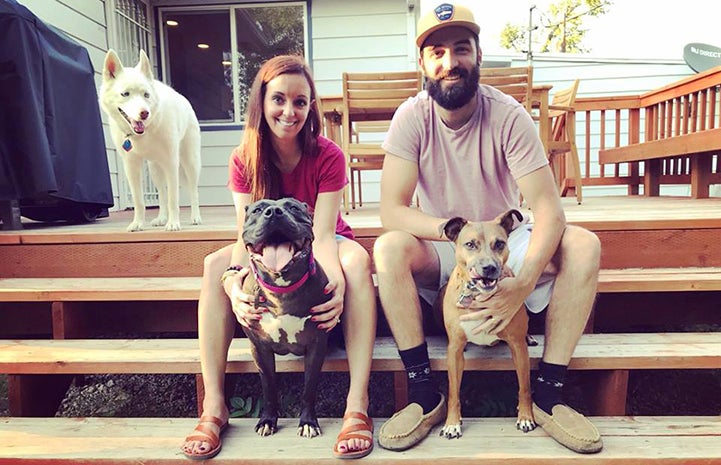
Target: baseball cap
<point>444,15</point>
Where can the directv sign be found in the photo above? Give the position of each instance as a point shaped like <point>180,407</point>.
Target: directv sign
<point>701,57</point>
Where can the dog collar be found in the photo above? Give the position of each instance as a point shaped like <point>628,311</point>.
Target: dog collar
<point>470,290</point>
<point>127,143</point>
<point>285,289</point>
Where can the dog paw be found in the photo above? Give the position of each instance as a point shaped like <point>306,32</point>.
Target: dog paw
<point>309,431</point>
<point>451,431</point>
<point>135,226</point>
<point>265,428</point>
<point>525,424</point>
<point>159,221</point>
<point>172,226</point>
<point>196,220</point>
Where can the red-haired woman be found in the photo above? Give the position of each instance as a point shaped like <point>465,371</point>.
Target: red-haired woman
<point>282,154</point>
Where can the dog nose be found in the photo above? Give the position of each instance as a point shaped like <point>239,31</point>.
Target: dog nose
<point>144,114</point>
<point>273,211</point>
<point>490,270</point>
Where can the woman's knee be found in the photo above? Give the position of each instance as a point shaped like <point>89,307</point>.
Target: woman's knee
<point>355,262</point>
<point>215,263</point>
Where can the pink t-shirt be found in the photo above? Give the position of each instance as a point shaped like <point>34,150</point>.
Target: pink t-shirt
<point>313,175</point>
<point>469,172</point>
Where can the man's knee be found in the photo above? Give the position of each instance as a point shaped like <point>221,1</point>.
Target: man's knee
<point>393,249</point>
<point>581,249</point>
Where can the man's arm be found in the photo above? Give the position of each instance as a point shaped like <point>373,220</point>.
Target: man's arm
<point>549,221</point>
<point>398,183</point>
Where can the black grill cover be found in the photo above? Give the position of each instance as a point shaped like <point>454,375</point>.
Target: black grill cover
<point>51,136</point>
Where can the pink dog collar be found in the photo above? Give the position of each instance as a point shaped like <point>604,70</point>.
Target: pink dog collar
<point>285,289</point>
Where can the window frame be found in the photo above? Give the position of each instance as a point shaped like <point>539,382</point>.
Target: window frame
<point>230,8</point>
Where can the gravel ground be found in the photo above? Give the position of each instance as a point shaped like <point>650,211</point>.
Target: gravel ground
<point>651,392</point>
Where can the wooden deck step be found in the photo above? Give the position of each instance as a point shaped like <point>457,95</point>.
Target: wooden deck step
<point>495,441</point>
<point>188,288</point>
<point>594,352</point>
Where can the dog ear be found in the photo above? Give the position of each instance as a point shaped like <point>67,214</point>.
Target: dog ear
<point>144,65</point>
<point>113,66</point>
<point>506,219</point>
<point>453,227</point>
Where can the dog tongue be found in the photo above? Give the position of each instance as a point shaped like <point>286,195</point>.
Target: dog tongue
<point>275,257</point>
<point>139,127</point>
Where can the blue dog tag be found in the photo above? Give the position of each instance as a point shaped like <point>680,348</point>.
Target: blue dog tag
<point>127,145</point>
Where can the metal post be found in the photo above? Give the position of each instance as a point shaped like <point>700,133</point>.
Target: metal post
<point>529,53</point>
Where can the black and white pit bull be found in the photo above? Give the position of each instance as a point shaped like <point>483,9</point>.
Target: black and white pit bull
<point>285,279</point>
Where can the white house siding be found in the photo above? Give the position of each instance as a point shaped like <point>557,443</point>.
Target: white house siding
<point>360,36</point>
<point>345,36</point>
<point>366,36</point>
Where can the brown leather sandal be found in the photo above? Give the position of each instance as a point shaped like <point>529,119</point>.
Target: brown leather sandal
<point>203,433</point>
<point>355,432</point>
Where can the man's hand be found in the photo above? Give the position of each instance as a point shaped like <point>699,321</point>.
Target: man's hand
<point>497,309</point>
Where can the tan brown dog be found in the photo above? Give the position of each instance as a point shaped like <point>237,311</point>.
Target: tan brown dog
<point>481,254</point>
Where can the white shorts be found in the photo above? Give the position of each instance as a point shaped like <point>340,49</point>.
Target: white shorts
<point>518,242</point>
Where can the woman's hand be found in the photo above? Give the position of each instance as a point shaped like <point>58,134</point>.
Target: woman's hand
<point>242,303</point>
<point>327,314</point>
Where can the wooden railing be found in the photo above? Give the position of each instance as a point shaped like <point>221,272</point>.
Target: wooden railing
<point>690,105</point>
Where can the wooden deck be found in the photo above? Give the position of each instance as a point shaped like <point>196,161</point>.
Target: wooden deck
<point>490,441</point>
<point>635,232</point>
<point>607,213</point>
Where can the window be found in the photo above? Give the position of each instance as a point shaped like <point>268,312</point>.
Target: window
<point>132,32</point>
<point>211,55</point>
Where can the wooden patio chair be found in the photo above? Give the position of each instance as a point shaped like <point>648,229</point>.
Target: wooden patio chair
<point>562,150</point>
<point>371,97</point>
<point>514,81</point>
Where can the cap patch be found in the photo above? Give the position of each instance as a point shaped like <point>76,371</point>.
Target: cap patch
<point>444,12</point>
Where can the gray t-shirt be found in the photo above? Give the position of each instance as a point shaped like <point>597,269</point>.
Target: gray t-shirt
<point>469,172</point>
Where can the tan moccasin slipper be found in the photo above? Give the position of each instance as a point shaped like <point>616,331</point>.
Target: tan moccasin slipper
<point>569,428</point>
<point>409,426</point>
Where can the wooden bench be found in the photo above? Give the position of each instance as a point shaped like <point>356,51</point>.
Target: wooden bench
<point>699,146</point>
<point>32,364</point>
<point>129,441</point>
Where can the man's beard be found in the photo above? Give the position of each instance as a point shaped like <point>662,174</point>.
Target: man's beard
<point>458,94</point>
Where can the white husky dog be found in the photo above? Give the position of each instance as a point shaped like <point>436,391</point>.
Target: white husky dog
<point>151,121</point>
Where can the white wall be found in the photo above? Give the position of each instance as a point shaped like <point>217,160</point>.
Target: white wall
<point>368,35</point>
<point>355,35</point>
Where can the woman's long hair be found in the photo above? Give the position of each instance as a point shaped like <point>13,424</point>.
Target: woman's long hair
<point>255,148</point>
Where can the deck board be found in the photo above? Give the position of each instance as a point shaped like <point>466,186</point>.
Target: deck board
<point>594,352</point>
<point>596,213</point>
<point>627,440</point>
<point>153,288</point>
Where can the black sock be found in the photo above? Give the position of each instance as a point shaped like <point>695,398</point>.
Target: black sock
<point>548,386</point>
<point>422,388</point>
